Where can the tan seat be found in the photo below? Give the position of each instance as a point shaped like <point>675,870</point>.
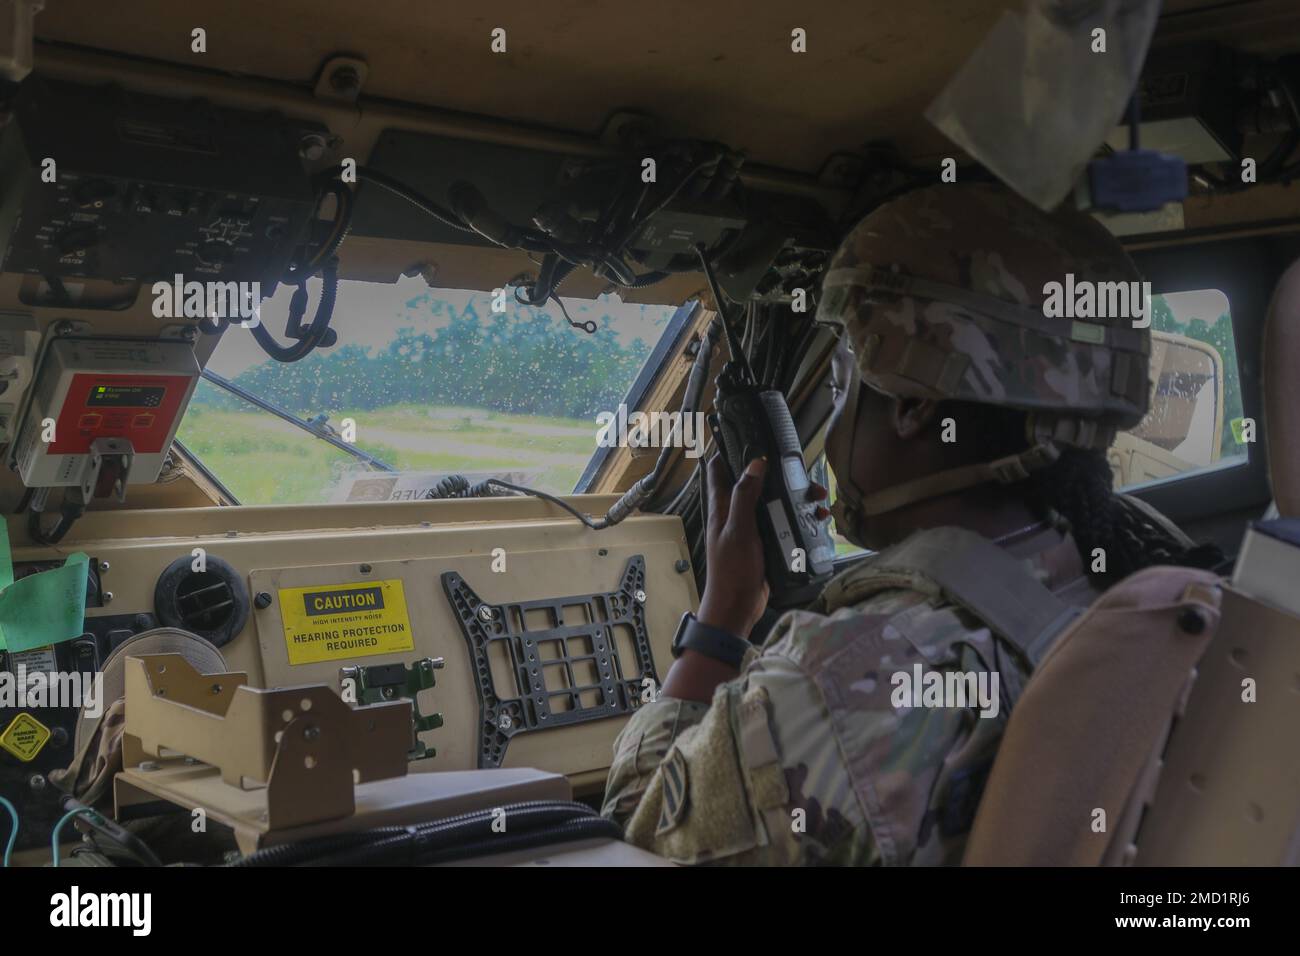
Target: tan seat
<point>1281,361</point>
<point>1093,769</point>
<point>1077,760</point>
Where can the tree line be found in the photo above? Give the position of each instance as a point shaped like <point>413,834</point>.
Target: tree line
<point>523,361</point>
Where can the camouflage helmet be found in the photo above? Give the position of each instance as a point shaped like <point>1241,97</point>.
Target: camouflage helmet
<point>943,293</point>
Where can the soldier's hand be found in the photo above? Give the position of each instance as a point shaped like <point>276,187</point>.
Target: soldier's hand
<point>736,590</point>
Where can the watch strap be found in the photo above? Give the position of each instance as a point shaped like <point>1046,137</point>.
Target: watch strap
<point>714,642</point>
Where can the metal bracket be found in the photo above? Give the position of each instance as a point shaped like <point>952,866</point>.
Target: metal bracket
<point>303,743</point>
<point>380,683</point>
<point>101,451</point>
<point>549,663</point>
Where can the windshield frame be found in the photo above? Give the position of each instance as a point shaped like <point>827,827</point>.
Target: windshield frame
<point>678,326</point>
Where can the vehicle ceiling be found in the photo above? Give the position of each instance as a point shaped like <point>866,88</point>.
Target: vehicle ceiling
<point>709,70</point>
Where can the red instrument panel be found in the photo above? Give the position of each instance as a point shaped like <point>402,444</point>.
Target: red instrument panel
<point>140,408</point>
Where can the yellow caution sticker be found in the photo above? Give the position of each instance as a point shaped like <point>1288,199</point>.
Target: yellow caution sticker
<point>24,737</point>
<point>338,622</point>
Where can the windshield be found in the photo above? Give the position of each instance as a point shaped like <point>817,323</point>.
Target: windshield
<point>430,382</point>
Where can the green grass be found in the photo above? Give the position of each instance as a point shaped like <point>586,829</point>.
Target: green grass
<point>514,432</point>
<point>498,419</point>
<point>267,461</point>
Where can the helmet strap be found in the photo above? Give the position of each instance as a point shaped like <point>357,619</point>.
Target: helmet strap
<point>1004,471</point>
<point>852,506</point>
<point>846,511</point>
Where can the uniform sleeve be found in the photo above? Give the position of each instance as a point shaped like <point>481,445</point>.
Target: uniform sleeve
<point>641,747</point>
<point>755,777</point>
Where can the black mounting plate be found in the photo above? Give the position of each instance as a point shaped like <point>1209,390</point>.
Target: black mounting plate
<point>568,671</point>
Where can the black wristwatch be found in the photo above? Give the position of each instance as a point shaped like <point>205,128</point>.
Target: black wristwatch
<point>710,641</point>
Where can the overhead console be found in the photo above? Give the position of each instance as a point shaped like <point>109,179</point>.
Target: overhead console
<point>102,183</point>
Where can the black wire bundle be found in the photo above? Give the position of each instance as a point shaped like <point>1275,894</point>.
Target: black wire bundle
<point>565,243</point>
<point>603,245</point>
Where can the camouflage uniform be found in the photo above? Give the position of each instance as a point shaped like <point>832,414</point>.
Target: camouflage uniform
<point>804,758</point>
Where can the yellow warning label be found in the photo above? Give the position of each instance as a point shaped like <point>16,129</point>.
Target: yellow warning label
<point>24,737</point>
<point>330,623</point>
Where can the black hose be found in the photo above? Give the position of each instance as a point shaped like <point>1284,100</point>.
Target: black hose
<point>372,853</point>
<point>589,828</point>
<point>319,326</point>
<point>528,824</point>
<point>345,200</point>
<point>24,501</point>
<point>69,512</point>
<point>288,854</point>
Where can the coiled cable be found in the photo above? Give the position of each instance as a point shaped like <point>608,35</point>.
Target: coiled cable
<point>458,486</point>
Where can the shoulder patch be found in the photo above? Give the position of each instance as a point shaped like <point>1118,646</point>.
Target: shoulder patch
<point>675,792</point>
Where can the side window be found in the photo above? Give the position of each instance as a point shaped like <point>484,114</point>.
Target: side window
<point>1195,417</point>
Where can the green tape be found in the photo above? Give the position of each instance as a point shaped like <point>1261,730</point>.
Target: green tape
<point>44,608</point>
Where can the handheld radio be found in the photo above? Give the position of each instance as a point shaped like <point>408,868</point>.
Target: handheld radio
<point>752,422</point>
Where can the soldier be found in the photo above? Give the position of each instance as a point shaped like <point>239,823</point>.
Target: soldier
<point>975,458</point>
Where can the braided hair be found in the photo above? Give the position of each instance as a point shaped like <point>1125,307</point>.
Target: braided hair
<point>1078,490</point>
